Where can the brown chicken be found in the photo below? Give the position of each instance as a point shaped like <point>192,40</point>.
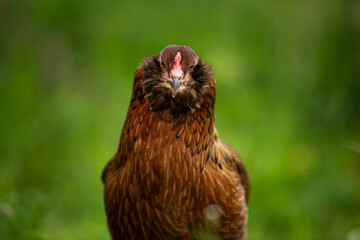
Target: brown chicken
<point>171,173</point>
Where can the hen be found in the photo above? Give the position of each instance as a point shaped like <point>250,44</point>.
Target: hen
<point>171,173</point>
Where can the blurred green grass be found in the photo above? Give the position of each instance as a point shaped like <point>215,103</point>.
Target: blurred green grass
<point>287,99</point>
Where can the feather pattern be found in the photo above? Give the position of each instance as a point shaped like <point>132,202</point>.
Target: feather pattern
<point>170,164</point>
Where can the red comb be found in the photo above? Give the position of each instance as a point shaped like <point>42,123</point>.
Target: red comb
<point>177,58</point>
<point>176,71</point>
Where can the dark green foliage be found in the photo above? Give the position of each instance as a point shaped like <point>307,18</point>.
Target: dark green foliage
<point>288,99</point>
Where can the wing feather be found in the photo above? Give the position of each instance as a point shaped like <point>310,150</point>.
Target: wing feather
<point>230,157</point>
<point>110,167</point>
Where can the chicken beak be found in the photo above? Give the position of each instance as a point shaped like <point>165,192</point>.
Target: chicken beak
<point>175,84</point>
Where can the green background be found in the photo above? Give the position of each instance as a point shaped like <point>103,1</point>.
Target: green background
<point>288,96</point>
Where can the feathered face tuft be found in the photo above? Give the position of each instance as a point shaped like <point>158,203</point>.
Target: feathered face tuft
<point>176,79</point>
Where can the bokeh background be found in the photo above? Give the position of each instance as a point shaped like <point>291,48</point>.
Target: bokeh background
<point>288,99</point>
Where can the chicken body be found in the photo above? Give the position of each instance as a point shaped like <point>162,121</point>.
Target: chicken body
<point>171,173</point>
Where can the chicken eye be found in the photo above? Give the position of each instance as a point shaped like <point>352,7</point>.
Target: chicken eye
<point>162,64</point>
<point>191,67</point>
